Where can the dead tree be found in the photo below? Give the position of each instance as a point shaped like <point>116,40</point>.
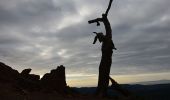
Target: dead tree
<point>107,50</point>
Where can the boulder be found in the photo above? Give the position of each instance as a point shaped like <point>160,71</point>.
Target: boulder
<point>26,75</point>
<point>26,71</point>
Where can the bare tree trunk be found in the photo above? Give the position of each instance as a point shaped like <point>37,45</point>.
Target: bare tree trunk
<point>107,50</point>
<point>104,72</point>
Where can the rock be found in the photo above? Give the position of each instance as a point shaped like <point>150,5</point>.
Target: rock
<point>26,75</point>
<point>34,77</point>
<point>55,80</point>
<point>26,71</point>
<point>29,81</point>
<point>7,74</point>
<point>28,85</point>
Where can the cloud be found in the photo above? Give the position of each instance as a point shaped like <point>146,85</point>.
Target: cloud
<point>43,34</point>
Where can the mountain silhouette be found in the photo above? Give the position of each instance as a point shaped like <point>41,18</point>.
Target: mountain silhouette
<point>153,82</point>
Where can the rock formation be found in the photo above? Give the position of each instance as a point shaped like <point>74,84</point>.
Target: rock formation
<point>7,74</point>
<point>53,81</point>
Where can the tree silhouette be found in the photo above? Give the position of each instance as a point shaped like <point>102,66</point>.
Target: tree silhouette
<point>107,50</point>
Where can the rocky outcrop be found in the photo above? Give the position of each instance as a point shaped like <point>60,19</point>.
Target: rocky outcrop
<point>55,80</point>
<point>7,74</point>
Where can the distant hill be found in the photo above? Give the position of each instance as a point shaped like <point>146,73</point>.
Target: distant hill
<point>145,92</point>
<point>153,82</point>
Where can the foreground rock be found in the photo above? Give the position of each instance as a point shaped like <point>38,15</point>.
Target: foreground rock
<point>17,85</point>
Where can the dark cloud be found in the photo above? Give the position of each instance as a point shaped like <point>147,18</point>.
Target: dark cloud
<point>43,34</point>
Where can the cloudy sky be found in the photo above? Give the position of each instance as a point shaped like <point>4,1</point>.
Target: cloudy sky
<point>42,34</point>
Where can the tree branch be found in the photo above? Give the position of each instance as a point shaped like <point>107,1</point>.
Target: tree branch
<point>97,20</point>
<point>109,6</point>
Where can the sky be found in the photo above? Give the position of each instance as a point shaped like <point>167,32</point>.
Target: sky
<point>43,34</point>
